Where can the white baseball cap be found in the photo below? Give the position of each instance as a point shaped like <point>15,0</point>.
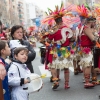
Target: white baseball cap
<point>15,44</point>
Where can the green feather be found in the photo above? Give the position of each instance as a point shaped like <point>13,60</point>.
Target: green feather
<point>46,13</point>
<point>50,10</point>
<point>61,5</point>
<point>87,6</point>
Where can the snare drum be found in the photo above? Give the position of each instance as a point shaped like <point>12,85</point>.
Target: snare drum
<point>35,84</point>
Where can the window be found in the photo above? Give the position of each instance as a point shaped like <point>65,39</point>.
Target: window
<point>21,21</point>
<point>19,10</point>
<point>28,21</point>
<point>20,16</point>
<point>27,5</point>
<point>19,5</point>
<point>13,7</point>
<point>28,15</point>
<point>27,10</point>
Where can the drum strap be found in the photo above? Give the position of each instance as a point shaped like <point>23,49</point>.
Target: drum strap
<point>18,69</point>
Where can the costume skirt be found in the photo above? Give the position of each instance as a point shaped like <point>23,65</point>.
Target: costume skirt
<point>86,60</point>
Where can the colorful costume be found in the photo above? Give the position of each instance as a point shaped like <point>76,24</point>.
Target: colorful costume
<point>86,48</point>
<point>60,55</point>
<point>87,42</point>
<point>59,39</point>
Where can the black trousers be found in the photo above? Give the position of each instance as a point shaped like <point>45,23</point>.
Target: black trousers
<point>96,55</point>
<point>30,67</point>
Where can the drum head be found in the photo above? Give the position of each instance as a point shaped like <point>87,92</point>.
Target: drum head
<point>35,84</point>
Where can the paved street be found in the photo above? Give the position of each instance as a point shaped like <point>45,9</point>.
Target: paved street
<point>76,92</point>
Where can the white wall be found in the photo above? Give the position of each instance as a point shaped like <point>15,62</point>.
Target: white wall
<point>93,1</point>
<point>32,11</point>
<point>29,13</point>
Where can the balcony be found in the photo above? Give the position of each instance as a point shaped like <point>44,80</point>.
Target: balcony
<point>20,6</point>
<point>21,16</point>
<point>20,11</point>
<point>20,2</point>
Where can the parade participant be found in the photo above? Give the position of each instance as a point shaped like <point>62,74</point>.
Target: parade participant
<point>77,58</point>
<point>95,57</point>
<point>4,52</point>
<point>83,13</point>
<point>87,41</point>
<point>31,29</point>
<point>60,37</point>
<point>2,34</point>
<point>96,50</point>
<point>45,50</point>
<point>32,38</point>
<point>17,34</point>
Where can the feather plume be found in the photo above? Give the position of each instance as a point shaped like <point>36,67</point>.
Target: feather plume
<point>97,10</point>
<point>58,12</point>
<point>83,11</point>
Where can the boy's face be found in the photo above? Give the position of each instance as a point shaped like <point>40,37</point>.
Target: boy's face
<point>22,56</point>
<point>6,51</point>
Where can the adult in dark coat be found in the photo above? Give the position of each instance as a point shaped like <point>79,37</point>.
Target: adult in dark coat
<point>17,34</point>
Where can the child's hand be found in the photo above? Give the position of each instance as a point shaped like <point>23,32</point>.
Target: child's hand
<point>27,80</point>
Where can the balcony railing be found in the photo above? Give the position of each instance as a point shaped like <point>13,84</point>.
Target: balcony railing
<point>20,7</point>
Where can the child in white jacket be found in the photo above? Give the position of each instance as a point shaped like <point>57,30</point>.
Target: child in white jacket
<point>18,74</point>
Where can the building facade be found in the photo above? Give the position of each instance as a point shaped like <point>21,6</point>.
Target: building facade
<point>3,12</point>
<point>38,11</point>
<point>74,1</point>
<point>29,14</point>
<point>21,13</point>
<point>13,12</point>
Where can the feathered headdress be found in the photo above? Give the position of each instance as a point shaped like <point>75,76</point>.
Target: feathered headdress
<point>31,28</point>
<point>57,13</point>
<point>97,10</point>
<point>83,11</point>
<point>97,13</point>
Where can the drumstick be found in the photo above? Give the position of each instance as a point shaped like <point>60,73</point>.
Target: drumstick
<point>42,76</point>
<point>36,78</point>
